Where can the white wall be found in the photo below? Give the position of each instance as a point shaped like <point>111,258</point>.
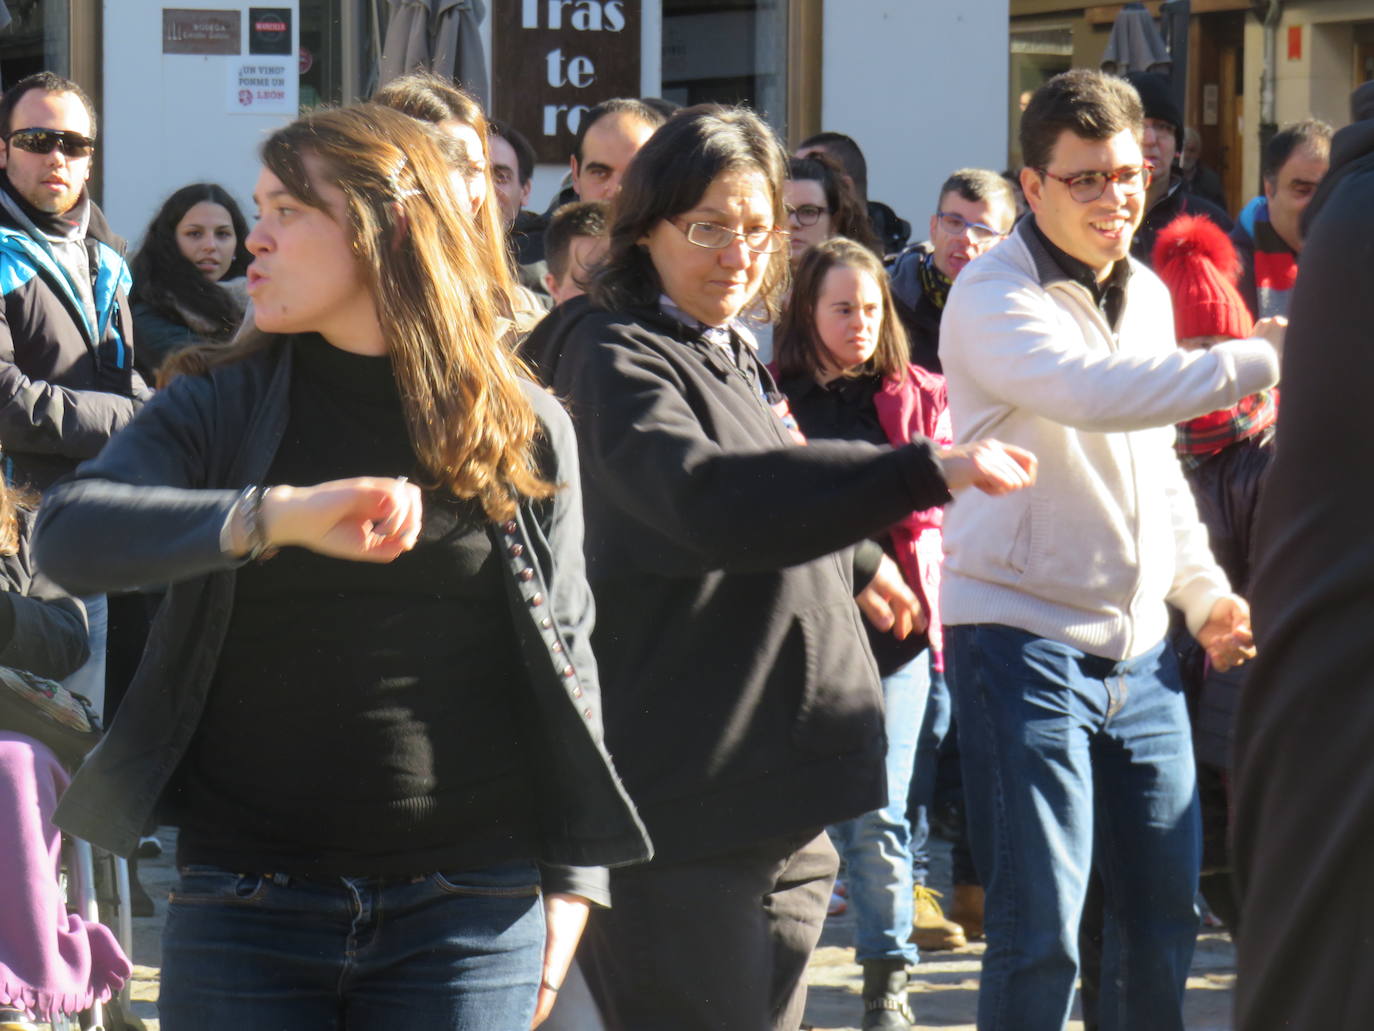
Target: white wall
<point>166,116</point>
<point>922,86</point>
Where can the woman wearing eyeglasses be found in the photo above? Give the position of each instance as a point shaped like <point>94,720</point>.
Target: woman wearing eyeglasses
<point>822,203</point>
<point>742,704</point>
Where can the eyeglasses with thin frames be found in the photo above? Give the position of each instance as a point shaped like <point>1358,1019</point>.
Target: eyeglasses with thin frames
<point>1086,187</point>
<point>806,214</point>
<point>45,141</point>
<point>956,225</point>
<point>717,237</point>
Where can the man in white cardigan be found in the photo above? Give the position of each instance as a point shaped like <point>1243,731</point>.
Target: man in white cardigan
<point>1072,723</point>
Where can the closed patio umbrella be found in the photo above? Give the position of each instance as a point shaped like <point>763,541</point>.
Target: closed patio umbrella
<point>1135,44</point>
<point>442,36</point>
<point>457,46</point>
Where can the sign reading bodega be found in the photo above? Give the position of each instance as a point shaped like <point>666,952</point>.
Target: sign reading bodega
<point>553,60</point>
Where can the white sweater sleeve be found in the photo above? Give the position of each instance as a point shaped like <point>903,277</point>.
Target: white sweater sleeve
<point>1198,580</point>
<point>1014,341</point>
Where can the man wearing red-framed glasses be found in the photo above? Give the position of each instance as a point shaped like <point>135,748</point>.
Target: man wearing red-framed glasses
<point>1073,731</point>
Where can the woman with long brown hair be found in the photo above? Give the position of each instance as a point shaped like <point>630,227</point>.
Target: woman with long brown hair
<point>439,101</point>
<point>843,362</point>
<point>378,742</point>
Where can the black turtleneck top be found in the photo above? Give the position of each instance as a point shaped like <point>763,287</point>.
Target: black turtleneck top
<point>365,718</point>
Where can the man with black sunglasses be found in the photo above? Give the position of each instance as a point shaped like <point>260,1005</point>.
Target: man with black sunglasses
<point>67,379</point>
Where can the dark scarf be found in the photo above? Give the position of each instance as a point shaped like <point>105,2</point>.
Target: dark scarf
<point>65,226</point>
<point>1208,434</point>
<point>934,283</point>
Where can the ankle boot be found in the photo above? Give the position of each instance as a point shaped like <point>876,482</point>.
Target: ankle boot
<point>932,931</point>
<point>885,1002</point>
<point>967,909</point>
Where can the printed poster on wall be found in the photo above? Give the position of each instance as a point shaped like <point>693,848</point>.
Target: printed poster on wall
<point>263,86</point>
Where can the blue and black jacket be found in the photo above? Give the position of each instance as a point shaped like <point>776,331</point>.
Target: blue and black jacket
<point>66,385</point>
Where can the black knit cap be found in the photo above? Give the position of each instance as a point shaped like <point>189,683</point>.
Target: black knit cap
<point>1157,97</point>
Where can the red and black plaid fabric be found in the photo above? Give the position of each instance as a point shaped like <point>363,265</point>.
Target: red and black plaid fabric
<point>1210,433</point>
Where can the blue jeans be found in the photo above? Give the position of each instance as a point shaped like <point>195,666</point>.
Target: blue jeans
<point>278,953</point>
<point>921,798</point>
<point>89,679</point>
<point>876,847</point>
<point>1068,758</point>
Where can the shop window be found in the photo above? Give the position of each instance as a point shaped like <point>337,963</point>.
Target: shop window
<point>727,52</point>
<point>37,39</point>
<point>1038,53</point>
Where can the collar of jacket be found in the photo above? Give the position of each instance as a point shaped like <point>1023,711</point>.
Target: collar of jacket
<point>1054,264</point>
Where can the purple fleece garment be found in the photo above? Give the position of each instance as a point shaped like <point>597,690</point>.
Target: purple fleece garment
<point>51,961</point>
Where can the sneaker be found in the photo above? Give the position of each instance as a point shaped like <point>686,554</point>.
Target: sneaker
<point>149,847</point>
<point>933,932</point>
<point>838,904</point>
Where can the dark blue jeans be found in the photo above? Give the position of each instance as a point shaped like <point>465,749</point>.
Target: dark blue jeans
<point>1062,753</point>
<point>276,953</point>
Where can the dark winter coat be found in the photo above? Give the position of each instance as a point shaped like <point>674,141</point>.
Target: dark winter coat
<point>65,386</point>
<point>742,701</point>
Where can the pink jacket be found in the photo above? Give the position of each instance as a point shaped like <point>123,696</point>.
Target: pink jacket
<point>911,404</point>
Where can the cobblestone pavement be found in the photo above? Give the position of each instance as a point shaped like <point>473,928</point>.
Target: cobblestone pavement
<point>944,990</point>
<point>945,985</point>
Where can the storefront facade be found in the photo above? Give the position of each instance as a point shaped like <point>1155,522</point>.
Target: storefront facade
<point>187,90</point>
<point>1311,53</point>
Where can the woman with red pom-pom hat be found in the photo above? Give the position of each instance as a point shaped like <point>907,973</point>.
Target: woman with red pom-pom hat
<point>1225,456</point>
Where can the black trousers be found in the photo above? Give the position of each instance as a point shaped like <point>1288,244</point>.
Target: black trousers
<point>715,944</point>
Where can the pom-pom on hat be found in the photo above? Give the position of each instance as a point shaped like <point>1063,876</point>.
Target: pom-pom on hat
<point>1199,266</point>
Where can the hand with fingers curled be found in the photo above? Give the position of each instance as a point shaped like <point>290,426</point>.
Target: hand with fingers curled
<point>364,519</point>
<point>890,605</point>
<point>989,465</point>
<point>1227,635</point>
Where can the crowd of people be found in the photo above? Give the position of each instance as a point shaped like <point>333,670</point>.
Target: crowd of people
<point>483,591</point>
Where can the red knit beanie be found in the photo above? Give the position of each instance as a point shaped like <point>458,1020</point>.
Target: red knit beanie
<point>1199,266</point>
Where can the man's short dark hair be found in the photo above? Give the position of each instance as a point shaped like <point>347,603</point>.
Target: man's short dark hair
<point>979,186</point>
<point>1091,104</point>
<point>637,109</point>
<point>844,150</point>
<point>667,108</point>
<point>578,218</point>
<point>48,82</point>
<point>1311,133</point>
<point>524,153</point>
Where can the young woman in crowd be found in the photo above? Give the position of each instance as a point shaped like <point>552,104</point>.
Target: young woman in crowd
<point>742,705</point>
<point>51,962</point>
<point>188,274</point>
<point>822,203</point>
<point>368,700</point>
<point>434,99</point>
<point>843,362</point>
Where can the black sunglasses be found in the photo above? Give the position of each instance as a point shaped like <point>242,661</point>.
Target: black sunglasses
<point>45,141</point>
